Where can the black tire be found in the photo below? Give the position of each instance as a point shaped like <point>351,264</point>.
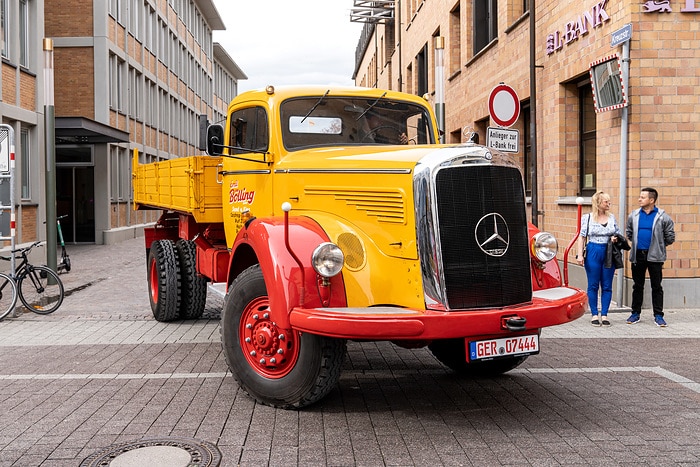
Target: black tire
<point>193,293</point>
<point>8,295</point>
<point>274,366</point>
<point>40,290</point>
<point>163,280</point>
<point>452,353</point>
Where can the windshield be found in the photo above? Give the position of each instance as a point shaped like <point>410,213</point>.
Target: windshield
<point>342,121</point>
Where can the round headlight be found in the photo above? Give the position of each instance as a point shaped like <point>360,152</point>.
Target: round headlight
<point>327,259</point>
<point>544,246</point>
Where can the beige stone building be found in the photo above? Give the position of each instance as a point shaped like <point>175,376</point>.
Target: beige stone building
<point>653,141</point>
<point>129,74</point>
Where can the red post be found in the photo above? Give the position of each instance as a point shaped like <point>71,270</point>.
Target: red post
<point>579,201</point>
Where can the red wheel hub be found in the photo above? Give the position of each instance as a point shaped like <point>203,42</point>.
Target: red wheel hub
<point>154,280</point>
<point>270,350</point>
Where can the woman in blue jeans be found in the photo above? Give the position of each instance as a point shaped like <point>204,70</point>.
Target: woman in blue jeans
<point>597,228</point>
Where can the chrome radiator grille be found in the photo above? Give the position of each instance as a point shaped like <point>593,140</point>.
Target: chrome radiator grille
<point>483,238</point>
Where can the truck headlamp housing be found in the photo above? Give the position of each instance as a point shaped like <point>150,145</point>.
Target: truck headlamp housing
<point>327,259</point>
<point>543,246</point>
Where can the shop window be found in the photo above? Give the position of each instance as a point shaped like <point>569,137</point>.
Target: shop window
<point>587,137</point>
<point>485,23</point>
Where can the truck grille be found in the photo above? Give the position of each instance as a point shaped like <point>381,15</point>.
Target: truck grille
<point>483,205</point>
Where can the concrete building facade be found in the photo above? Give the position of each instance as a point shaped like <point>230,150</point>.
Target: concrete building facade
<point>128,74</point>
<point>579,148</point>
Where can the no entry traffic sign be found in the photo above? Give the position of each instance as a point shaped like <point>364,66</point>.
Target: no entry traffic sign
<point>504,105</point>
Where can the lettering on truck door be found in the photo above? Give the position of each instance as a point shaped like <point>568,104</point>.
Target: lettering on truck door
<point>247,184</point>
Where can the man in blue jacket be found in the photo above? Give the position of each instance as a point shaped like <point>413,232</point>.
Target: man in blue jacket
<point>650,229</point>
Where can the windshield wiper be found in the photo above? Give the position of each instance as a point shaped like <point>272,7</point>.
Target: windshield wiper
<point>370,106</point>
<point>318,102</point>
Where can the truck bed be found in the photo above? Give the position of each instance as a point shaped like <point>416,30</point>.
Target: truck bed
<point>187,185</point>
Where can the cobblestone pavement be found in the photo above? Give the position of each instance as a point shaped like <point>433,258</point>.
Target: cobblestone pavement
<point>101,371</point>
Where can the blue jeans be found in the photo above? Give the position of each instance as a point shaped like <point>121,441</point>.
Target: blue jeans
<point>599,278</point>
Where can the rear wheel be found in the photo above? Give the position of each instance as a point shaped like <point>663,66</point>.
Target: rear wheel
<point>164,280</point>
<point>40,290</point>
<point>452,353</point>
<point>275,366</point>
<point>193,293</point>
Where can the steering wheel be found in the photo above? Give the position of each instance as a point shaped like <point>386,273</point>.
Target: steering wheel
<point>374,131</point>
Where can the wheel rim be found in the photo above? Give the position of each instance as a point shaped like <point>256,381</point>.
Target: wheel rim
<point>153,281</point>
<point>271,351</point>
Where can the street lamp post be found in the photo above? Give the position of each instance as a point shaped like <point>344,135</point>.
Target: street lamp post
<point>50,147</point>
<point>440,85</point>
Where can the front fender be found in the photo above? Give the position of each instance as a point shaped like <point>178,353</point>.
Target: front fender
<point>265,238</point>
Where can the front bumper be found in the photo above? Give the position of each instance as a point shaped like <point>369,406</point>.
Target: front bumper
<point>549,307</point>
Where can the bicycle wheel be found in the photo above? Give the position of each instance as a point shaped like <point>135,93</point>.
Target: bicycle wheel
<point>40,290</point>
<point>8,294</point>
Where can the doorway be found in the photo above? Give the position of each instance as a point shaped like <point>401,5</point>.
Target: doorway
<point>75,194</point>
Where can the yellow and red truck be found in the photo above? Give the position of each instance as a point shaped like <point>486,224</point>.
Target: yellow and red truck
<point>333,214</point>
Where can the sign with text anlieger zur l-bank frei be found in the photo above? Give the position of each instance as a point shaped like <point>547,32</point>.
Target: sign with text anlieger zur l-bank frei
<point>504,109</point>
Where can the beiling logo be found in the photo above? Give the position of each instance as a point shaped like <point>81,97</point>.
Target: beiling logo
<point>240,196</point>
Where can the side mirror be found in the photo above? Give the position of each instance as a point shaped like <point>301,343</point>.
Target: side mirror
<point>215,140</point>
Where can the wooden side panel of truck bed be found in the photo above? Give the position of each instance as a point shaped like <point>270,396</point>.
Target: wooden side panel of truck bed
<point>187,185</point>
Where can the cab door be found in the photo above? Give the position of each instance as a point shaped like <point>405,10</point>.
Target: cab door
<point>246,172</point>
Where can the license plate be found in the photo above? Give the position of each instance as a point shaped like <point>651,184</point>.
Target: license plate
<point>494,348</point>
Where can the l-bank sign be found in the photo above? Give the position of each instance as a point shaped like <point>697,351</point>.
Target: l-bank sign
<point>597,16</point>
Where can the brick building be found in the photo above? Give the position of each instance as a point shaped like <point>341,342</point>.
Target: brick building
<point>129,74</point>
<point>578,150</point>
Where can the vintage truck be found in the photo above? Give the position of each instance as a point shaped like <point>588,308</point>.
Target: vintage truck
<point>332,214</point>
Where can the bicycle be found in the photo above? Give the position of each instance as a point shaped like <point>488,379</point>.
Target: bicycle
<point>38,287</point>
<point>64,264</point>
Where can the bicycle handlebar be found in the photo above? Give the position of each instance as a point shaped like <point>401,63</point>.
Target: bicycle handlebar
<point>21,250</point>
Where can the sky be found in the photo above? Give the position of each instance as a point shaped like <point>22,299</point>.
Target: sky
<point>282,42</point>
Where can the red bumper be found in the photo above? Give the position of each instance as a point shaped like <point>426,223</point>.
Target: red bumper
<point>548,308</point>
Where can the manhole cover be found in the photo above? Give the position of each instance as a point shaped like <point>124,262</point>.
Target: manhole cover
<point>156,452</point>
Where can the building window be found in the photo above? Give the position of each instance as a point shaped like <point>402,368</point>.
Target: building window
<point>120,176</point>
<point>422,71</point>
<point>23,33</point>
<point>485,23</point>
<point>4,23</point>
<point>455,40</point>
<point>26,161</point>
<point>587,130</point>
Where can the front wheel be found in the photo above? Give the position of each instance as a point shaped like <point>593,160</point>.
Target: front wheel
<point>276,366</point>
<point>8,295</point>
<point>452,353</point>
<point>40,290</point>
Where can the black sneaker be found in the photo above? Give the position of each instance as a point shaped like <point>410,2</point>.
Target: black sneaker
<point>595,321</point>
<point>605,321</point>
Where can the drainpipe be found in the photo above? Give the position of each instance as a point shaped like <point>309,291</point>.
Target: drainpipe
<point>533,120</point>
<point>624,135</point>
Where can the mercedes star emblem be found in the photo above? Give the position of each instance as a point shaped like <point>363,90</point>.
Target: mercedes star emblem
<point>492,235</point>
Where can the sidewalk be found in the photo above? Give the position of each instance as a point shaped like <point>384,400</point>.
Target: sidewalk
<point>100,379</point>
<point>110,282</point>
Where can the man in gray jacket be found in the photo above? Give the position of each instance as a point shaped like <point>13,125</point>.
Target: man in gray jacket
<point>649,229</point>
